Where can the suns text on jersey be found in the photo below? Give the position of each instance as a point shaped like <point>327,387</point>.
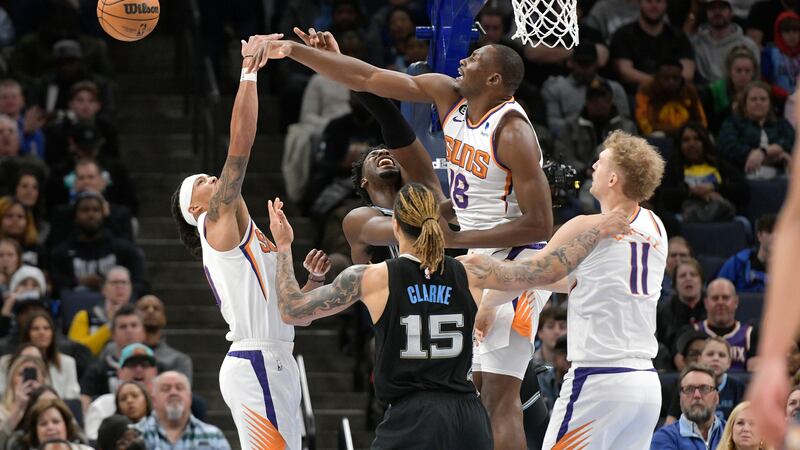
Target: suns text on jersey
<point>464,155</point>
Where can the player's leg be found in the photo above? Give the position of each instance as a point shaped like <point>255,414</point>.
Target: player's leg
<point>261,388</point>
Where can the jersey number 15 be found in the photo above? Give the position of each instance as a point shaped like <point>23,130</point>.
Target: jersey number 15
<point>413,326</point>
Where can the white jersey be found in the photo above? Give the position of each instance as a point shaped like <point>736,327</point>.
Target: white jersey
<point>481,187</point>
<point>612,305</point>
<point>243,283</point>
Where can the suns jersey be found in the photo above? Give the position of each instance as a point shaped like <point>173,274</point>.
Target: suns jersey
<point>243,283</point>
<point>480,186</point>
<point>612,305</point>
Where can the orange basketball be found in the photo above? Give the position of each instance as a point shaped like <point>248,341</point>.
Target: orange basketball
<point>128,20</point>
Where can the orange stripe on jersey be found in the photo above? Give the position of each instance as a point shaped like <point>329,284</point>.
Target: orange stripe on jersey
<point>262,433</point>
<point>488,113</point>
<point>523,314</point>
<point>248,254</point>
<point>635,214</point>
<point>452,110</point>
<point>575,439</point>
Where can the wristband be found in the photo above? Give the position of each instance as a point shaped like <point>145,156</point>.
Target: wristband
<point>248,76</point>
<point>316,279</point>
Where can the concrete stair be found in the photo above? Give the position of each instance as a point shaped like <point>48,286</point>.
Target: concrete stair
<point>156,143</point>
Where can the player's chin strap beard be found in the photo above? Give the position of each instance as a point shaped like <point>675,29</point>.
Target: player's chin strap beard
<point>185,198</point>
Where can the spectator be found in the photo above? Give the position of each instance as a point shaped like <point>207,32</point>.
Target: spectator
<point>17,393</point>
<point>92,251</point>
<point>11,162</point>
<point>27,291</point>
<point>39,330</point>
<point>678,249</point>
<point>172,398</point>
<point>566,95</point>
<point>610,15</point>
<point>29,123</point>
<point>761,20</point>
<point>781,59</point>
<point>136,365</point>
<point>698,426</point>
<point>667,102</point>
<point>400,27</point>
<point>26,191</point>
<point>17,223</point>
<point>697,185</point>
<point>91,327</point>
<point>721,303</point>
<point>495,24</point>
<point>114,431</point>
<point>684,308</point>
<point>552,325</point>
<point>753,138</point>
<point>637,47</point>
<point>690,345</point>
<point>44,393</point>
<point>719,97</point>
<point>133,401</point>
<point>716,38</point>
<point>101,377</point>
<point>747,269</point>
<point>550,381</point>
<point>716,355</point>
<point>52,420</point>
<point>155,320</point>
<point>323,100</point>
<point>10,261</point>
<point>89,177</point>
<point>741,432</point>
<point>793,403</point>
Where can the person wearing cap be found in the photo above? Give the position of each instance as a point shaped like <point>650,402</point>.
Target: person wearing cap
<point>136,363</point>
<point>84,260</point>
<point>580,142</point>
<point>716,38</point>
<point>566,95</point>
<point>637,47</point>
<point>668,101</point>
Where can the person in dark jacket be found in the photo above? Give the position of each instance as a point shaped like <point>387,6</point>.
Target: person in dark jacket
<point>754,139</point>
<point>698,185</point>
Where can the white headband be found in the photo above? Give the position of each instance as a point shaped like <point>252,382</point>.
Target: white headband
<point>185,198</point>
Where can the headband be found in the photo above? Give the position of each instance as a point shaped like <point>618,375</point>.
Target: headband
<point>185,198</point>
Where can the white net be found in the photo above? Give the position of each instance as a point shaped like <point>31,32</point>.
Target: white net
<point>546,22</point>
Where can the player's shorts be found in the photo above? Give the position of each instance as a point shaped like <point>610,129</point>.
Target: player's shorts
<point>605,408</point>
<point>260,383</point>
<point>435,420</point>
<point>508,347</point>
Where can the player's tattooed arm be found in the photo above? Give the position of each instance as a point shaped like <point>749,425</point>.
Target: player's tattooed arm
<point>299,308</point>
<point>227,195</point>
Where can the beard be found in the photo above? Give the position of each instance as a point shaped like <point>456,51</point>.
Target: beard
<point>175,411</point>
<point>699,414</point>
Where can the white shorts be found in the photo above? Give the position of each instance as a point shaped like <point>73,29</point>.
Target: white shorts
<point>508,348</point>
<point>261,386</point>
<point>605,408</point>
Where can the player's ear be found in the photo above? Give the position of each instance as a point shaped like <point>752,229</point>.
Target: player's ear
<point>494,80</point>
<point>363,182</point>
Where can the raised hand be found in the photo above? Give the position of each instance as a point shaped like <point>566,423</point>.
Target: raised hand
<point>322,40</point>
<point>279,225</point>
<point>255,51</point>
<point>317,264</point>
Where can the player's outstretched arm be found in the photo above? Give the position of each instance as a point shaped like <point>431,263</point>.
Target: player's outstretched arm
<point>364,227</point>
<point>769,388</point>
<point>569,247</point>
<point>227,203</point>
<point>360,76</point>
<point>518,151</point>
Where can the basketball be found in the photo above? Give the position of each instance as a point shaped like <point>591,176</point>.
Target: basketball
<point>128,20</point>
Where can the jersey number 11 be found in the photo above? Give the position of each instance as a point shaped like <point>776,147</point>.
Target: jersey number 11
<point>645,251</point>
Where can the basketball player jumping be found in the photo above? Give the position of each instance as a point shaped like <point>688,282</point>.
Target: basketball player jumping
<point>259,378</point>
<point>423,305</point>
<point>499,192</point>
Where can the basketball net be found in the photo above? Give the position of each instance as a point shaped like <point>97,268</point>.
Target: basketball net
<point>552,23</point>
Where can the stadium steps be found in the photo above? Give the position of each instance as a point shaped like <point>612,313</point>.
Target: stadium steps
<point>156,145</point>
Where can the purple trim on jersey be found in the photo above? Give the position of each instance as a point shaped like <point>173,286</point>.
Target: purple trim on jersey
<point>257,361</point>
<point>638,211</point>
<point>581,374</point>
<point>487,116</point>
<point>515,251</point>
<point>634,267</point>
<point>213,287</point>
<point>645,252</point>
<point>449,111</point>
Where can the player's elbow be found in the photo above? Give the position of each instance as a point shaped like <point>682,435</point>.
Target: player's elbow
<point>292,319</point>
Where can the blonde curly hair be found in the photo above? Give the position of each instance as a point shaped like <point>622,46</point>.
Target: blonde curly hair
<point>642,166</point>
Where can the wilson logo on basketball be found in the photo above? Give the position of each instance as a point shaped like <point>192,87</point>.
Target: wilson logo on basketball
<point>141,8</point>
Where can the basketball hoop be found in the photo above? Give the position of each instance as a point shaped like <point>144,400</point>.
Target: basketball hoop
<point>552,23</point>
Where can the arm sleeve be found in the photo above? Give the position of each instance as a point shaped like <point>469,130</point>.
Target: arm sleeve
<point>396,132</point>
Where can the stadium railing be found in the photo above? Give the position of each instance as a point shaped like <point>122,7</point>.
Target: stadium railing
<point>345,436</point>
<point>306,409</point>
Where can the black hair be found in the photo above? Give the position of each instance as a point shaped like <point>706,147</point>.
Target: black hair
<point>125,310</point>
<point>358,173</point>
<point>670,61</point>
<point>187,233</point>
<point>765,223</point>
<point>83,196</point>
<point>709,151</point>
<point>512,69</point>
